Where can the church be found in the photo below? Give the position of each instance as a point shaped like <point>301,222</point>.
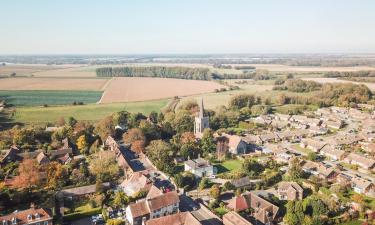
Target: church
<point>201,122</point>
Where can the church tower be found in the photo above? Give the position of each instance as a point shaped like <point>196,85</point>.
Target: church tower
<point>201,121</point>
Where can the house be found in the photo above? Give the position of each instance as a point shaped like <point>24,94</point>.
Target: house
<point>334,124</point>
<point>181,218</point>
<point>319,170</point>
<point>112,144</point>
<point>10,155</point>
<point>238,204</point>
<point>60,152</point>
<point>289,191</point>
<point>42,159</point>
<point>79,192</point>
<point>263,211</point>
<point>333,154</point>
<point>269,138</point>
<point>65,159</point>
<point>137,182</point>
<point>200,167</point>
<point>355,159</point>
<point>315,130</point>
<point>235,144</point>
<point>163,205</point>
<point>312,144</point>
<point>32,216</point>
<point>362,186</point>
<point>243,182</point>
<point>233,218</point>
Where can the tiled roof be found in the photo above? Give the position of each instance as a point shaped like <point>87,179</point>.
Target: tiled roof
<point>183,218</point>
<point>164,200</point>
<point>27,216</point>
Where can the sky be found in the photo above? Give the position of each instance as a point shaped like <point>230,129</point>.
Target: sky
<point>186,26</point>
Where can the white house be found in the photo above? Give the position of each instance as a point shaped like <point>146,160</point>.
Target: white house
<point>161,205</point>
<point>200,167</point>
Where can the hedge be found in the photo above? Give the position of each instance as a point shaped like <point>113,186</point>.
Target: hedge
<point>79,215</point>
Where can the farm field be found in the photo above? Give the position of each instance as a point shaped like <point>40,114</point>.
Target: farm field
<point>213,100</point>
<point>29,69</point>
<point>38,98</point>
<point>89,112</point>
<point>129,89</point>
<point>371,86</point>
<point>284,68</point>
<point>23,83</point>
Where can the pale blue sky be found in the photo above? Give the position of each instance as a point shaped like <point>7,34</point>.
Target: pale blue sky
<point>186,26</point>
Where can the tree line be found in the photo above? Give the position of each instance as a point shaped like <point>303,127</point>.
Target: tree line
<point>335,74</point>
<point>156,71</point>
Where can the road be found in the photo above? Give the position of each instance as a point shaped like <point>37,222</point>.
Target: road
<point>202,214</point>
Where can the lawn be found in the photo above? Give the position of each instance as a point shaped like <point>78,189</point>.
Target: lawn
<point>90,112</point>
<point>38,98</point>
<point>228,165</point>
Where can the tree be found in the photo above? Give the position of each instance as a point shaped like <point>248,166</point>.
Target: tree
<point>241,101</point>
<point>56,175</point>
<point>215,191</point>
<point>204,183</point>
<point>160,153</point>
<point>179,180</point>
<point>295,170</point>
<point>82,144</point>
<point>207,142</point>
<point>72,121</point>
<point>294,213</point>
<point>103,165</point>
<point>252,167</point>
<point>115,222</point>
<point>105,127</point>
<point>134,134</point>
<point>312,156</point>
<point>358,198</point>
<point>138,146</point>
<point>29,175</point>
<point>120,199</point>
<point>153,117</point>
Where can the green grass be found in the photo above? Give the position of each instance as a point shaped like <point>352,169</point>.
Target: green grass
<point>228,165</point>
<point>38,98</point>
<point>354,222</point>
<point>89,112</point>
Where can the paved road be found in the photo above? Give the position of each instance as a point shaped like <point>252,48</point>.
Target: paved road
<point>201,214</point>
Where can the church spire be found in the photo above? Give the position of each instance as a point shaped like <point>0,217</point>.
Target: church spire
<point>201,109</point>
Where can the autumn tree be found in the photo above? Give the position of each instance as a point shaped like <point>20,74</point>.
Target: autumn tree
<point>215,191</point>
<point>56,175</point>
<point>120,199</point>
<point>82,144</point>
<point>160,153</point>
<point>103,165</point>
<point>105,127</point>
<point>29,174</point>
<point>138,146</point>
<point>134,134</point>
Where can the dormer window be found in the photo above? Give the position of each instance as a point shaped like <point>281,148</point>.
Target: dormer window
<point>37,216</point>
<point>29,217</point>
<point>14,220</point>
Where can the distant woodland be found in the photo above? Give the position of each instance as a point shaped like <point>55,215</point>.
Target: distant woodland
<point>168,72</point>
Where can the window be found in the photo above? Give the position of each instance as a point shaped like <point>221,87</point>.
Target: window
<point>37,223</point>
<point>45,222</point>
<point>5,222</point>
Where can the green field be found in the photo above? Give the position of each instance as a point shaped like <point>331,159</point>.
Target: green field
<point>39,98</point>
<point>228,165</point>
<point>89,112</point>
